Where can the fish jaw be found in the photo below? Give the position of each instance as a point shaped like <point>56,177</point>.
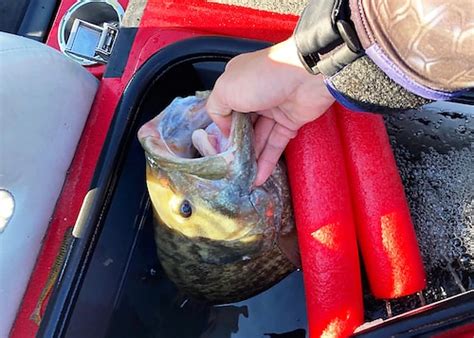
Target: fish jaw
<point>175,125</point>
<point>168,143</point>
<point>244,165</point>
<point>165,156</point>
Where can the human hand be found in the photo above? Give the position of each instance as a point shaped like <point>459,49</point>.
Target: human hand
<point>273,84</point>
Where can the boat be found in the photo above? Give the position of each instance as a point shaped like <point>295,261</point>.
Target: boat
<point>77,251</point>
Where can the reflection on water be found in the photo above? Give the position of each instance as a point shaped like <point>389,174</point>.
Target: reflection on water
<point>277,313</point>
<point>224,320</point>
<point>298,333</point>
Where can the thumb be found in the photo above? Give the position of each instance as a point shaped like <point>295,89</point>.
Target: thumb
<point>219,112</point>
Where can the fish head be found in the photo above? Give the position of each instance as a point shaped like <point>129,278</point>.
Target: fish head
<point>201,183</point>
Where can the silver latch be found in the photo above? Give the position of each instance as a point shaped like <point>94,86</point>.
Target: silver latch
<point>92,42</point>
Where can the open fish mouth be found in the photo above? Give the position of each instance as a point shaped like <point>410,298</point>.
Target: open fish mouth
<point>209,141</point>
<point>184,138</point>
<point>218,236</point>
<point>190,161</point>
<point>185,129</point>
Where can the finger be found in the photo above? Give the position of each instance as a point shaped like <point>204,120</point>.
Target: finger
<point>284,119</point>
<point>276,144</point>
<point>254,118</point>
<point>203,144</point>
<point>280,117</point>
<point>267,113</point>
<point>219,111</point>
<point>262,130</point>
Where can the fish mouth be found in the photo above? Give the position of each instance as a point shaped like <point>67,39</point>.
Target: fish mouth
<point>183,138</point>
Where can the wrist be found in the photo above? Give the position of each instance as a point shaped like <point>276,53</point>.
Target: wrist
<point>286,52</point>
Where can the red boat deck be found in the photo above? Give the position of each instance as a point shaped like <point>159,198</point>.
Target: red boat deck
<point>163,22</point>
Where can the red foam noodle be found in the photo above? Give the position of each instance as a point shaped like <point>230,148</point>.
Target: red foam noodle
<point>386,235</point>
<point>326,232</point>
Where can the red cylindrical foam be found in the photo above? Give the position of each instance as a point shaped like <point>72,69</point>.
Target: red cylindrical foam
<point>326,231</point>
<point>385,232</point>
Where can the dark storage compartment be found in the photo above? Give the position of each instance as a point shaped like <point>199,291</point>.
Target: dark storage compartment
<point>112,284</point>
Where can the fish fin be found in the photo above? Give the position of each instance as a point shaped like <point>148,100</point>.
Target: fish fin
<point>288,244</point>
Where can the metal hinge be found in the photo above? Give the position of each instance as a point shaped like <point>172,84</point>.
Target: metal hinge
<point>92,42</point>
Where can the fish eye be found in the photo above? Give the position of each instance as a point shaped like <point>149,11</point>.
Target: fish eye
<point>185,209</point>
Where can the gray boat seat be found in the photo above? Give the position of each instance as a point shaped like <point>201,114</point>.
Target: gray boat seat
<point>45,99</point>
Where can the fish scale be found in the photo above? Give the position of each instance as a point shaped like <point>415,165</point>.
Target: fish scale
<point>237,240</point>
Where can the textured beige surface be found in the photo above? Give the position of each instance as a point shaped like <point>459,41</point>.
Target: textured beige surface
<point>278,6</point>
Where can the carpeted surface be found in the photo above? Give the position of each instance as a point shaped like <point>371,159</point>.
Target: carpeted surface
<point>278,6</point>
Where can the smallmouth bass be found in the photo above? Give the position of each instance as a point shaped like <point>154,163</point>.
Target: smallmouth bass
<point>219,238</point>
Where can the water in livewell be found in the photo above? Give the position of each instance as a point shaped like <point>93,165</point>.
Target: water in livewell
<point>434,151</point>
<point>151,306</point>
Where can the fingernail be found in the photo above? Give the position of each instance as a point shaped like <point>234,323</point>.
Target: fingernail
<point>218,112</point>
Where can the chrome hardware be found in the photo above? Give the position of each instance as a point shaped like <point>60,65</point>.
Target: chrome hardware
<point>92,42</point>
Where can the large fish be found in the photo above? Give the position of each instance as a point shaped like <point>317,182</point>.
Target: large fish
<point>219,238</point>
